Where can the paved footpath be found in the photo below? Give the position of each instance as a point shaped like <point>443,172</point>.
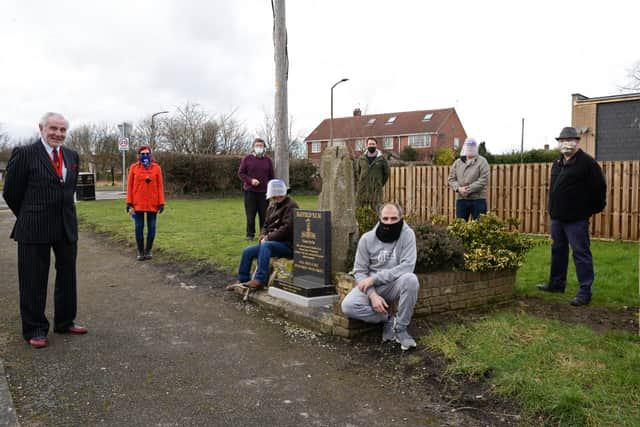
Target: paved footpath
<point>165,352</point>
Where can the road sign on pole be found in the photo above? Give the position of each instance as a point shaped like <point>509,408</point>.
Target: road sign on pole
<point>123,144</point>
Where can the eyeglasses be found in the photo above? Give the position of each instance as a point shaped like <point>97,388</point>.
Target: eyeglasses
<point>145,152</point>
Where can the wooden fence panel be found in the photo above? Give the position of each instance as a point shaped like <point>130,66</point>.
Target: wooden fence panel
<point>521,191</point>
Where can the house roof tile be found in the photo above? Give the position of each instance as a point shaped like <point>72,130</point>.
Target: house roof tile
<point>406,123</point>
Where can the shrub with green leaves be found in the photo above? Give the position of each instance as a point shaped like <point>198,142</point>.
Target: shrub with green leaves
<point>409,154</point>
<point>366,217</point>
<point>437,249</point>
<point>444,157</point>
<point>491,243</point>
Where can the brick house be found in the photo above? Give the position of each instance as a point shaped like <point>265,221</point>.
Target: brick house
<point>609,125</point>
<point>426,130</point>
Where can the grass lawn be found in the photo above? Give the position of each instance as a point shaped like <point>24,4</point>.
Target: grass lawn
<point>616,269</point>
<point>205,230</point>
<point>212,231</point>
<point>568,374</point>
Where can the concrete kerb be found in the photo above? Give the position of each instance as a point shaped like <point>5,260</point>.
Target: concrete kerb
<point>8,416</point>
<point>320,319</point>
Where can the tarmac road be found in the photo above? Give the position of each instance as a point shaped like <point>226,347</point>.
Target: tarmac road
<point>100,195</point>
<point>162,351</point>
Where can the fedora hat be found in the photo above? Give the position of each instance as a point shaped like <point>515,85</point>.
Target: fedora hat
<point>568,133</point>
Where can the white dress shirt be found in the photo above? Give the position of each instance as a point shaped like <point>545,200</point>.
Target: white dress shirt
<point>50,152</point>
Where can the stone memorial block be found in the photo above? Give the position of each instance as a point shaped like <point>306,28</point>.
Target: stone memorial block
<point>311,255</point>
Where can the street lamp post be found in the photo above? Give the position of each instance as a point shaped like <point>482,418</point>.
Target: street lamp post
<point>153,128</point>
<point>331,121</point>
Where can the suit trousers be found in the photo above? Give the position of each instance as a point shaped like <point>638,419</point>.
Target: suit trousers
<point>33,277</point>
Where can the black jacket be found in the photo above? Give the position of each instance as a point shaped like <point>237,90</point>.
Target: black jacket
<point>577,189</point>
<point>44,207</point>
<point>278,225</point>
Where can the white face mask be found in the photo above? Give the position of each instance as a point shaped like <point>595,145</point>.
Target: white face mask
<point>259,150</point>
<point>568,147</point>
<point>470,150</point>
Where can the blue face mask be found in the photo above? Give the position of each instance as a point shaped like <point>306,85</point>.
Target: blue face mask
<point>145,159</point>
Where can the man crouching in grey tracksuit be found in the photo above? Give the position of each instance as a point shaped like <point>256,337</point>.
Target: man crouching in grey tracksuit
<point>385,260</point>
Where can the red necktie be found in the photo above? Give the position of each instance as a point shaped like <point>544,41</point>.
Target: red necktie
<point>56,163</point>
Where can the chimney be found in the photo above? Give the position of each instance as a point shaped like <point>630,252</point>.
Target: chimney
<point>357,112</point>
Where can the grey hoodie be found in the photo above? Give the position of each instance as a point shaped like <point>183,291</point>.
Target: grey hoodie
<point>385,261</point>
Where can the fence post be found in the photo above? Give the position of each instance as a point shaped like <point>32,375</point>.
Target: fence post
<point>411,190</point>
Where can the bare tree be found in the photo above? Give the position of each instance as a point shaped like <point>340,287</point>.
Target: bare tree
<point>233,138</point>
<point>5,147</point>
<point>295,142</point>
<point>183,130</point>
<point>97,146</point>
<point>4,137</point>
<point>209,136</point>
<point>633,80</point>
<point>266,129</point>
<point>142,133</point>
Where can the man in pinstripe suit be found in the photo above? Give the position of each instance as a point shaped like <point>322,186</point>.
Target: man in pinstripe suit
<point>39,189</point>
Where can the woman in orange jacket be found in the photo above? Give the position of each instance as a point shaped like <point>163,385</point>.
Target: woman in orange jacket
<point>145,194</point>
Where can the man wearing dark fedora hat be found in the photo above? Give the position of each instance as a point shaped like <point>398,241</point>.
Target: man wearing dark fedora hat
<point>577,190</point>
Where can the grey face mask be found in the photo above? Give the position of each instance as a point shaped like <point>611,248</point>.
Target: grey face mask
<point>568,147</point>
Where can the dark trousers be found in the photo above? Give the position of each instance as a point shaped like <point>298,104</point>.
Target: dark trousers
<point>33,277</point>
<point>575,234</point>
<point>151,227</point>
<point>473,207</point>
<point>255,202</point>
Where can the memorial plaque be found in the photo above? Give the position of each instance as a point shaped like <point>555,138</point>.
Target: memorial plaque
<point>311,255</point>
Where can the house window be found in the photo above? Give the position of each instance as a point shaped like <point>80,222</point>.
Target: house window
<point>420,141</point>
<point>316,147</point>
<point>371,121</point>
<point>338,142</point>
<point>387,143</point>
<point>391,119</point>
<point>427,117</point>
<point>456,143</point>
<point>360,144</point>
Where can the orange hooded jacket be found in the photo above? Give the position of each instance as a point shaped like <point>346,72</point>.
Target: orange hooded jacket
<point>145,190</point>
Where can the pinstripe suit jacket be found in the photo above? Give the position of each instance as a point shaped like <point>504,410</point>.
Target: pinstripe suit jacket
<point>44,207</point>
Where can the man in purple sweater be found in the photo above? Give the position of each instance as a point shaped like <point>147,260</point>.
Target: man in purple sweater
<point>256,170</point>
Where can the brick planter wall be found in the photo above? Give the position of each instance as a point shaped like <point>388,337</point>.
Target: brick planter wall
<point>449,291</point>
<point>439,293</point>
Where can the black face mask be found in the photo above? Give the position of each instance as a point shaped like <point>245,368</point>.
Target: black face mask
<point>371,149</point>
<point>388,233</point>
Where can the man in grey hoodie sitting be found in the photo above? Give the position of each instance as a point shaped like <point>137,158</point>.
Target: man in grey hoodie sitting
<point>383,269</point>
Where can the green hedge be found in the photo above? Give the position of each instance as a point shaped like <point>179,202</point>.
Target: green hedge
<point>190,174</point>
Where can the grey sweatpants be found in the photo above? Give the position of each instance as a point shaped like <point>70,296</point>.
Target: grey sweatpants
<point>357,305</point>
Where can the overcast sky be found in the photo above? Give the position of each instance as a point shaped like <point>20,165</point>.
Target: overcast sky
<point>495,62</point>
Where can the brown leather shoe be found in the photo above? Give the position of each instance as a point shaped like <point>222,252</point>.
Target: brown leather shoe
<point>73,329</point>
<point>38,342</point>
<point>254,284</point>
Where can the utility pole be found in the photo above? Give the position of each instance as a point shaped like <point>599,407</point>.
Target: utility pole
<point>522,143</point>
<point>281,106</point>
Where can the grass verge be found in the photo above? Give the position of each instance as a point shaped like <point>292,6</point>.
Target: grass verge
<point>616,269</point>
<point>561,374</point>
